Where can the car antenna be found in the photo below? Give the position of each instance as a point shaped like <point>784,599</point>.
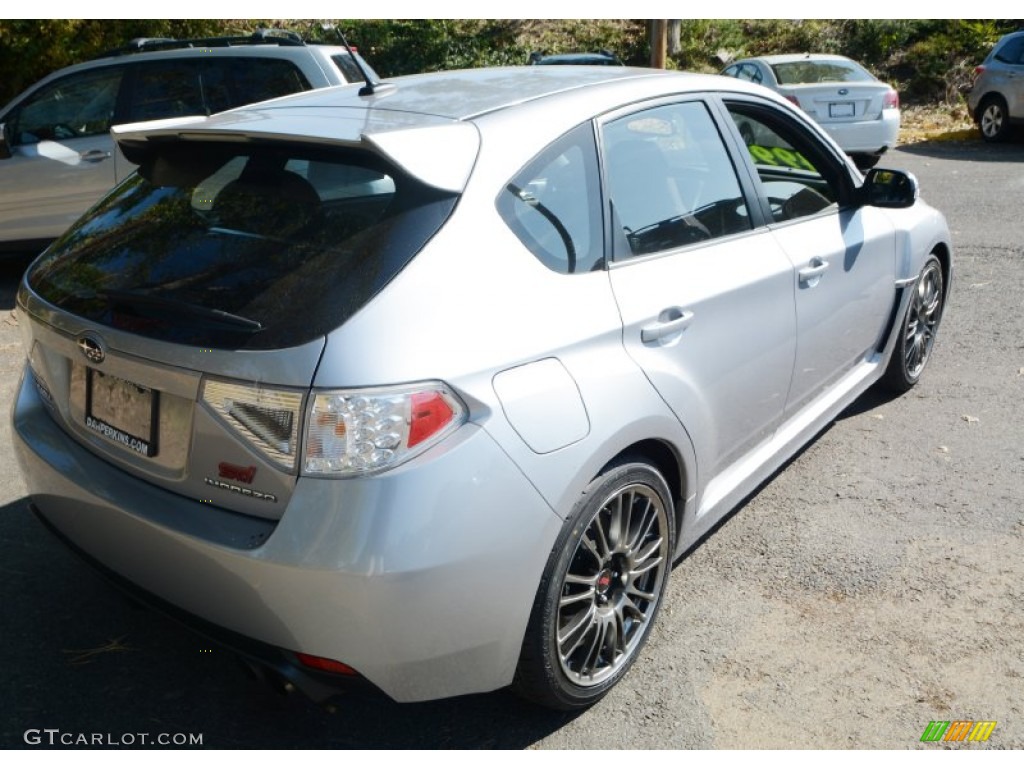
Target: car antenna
<point>371,86</point>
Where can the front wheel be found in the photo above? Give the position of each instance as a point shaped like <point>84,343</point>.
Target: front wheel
<point>601,590</point>
<point>917,332</point>
<point>865,162</point>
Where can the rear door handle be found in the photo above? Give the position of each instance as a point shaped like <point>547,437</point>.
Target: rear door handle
<point>671,322</point>
<point>816,269</point>
<point>94,156</point>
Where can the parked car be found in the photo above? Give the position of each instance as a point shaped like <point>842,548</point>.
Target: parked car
<point>598,58</point>
<point>56,154</point>
<point>427,391</point>
<point>996,99</point>
<point>857,109</point>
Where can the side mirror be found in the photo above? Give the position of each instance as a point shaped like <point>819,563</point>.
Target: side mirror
<point>883,188</point>
<point>5,146</point>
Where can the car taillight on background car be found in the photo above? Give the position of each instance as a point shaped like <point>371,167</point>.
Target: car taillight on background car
<point>358,432</point>
<point>891,100</point>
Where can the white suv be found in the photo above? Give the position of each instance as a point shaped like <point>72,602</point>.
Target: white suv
<point>56,154</point>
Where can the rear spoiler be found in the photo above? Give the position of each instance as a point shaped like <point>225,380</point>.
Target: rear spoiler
<point>440,155</point>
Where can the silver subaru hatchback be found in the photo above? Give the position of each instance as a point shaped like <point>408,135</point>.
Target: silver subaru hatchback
<point>425,388</point>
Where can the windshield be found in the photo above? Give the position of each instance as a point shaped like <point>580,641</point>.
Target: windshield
<point>236,246</point>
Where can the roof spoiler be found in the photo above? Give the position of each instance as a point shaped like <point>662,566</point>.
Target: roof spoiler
<point>440,156</point>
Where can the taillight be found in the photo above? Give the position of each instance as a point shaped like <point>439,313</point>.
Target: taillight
<point>267,418</point>
<point>891,100</point>
<point>793,99</point>
<point>354,432</point>
<point>325,665</point>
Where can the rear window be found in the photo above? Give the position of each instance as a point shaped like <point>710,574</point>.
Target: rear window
<point>800,72</point>
<point>346,63</point>
<point>1012,51</point>
<point>241,247</point>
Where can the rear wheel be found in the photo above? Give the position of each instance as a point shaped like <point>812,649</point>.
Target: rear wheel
<point>994,119</point>
<point>917,333</point>
<point>601,590</point>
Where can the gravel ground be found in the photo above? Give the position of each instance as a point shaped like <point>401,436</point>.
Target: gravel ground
<point>874,584</point>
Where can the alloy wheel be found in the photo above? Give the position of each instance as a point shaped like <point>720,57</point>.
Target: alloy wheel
<point>923,319</point>
<point>612,585</point>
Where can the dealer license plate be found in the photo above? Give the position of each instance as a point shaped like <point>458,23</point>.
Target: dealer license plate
<point>122,412</point>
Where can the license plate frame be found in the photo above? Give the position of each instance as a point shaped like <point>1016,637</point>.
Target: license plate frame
<point>841,109</point>
<point>123,412</point>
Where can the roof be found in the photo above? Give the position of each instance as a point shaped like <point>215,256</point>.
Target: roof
<point>426,123</point>
<point>468,93</point>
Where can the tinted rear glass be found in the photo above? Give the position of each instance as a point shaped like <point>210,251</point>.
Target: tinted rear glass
<point>799,72</point>
<point>1012,51</point>
<point>240,247</point>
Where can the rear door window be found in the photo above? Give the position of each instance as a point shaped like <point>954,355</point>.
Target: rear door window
<point>671,182</point>
<point>194,86</point>
<point>168,88</point>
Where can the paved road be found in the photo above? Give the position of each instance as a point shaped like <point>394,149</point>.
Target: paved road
<point>875,584</point>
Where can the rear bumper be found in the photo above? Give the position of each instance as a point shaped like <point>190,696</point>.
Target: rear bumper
<point>870,137</point>
<point>421,579</point>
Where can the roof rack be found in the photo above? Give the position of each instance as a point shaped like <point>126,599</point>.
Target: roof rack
<point>259,37</point>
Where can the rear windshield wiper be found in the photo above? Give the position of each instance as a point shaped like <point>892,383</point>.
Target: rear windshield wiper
<point>146,303</point>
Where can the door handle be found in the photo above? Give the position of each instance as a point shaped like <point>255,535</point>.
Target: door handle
<point>675,321</point>
<point>93,156</point>
<point>815,270</point>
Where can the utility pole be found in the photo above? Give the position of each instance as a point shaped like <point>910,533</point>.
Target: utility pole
<point>659,42</point>
<point>675,28</point>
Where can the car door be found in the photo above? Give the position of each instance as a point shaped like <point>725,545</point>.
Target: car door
<point>843,255</point>
<point>704,289</point>
<point>61,154</point>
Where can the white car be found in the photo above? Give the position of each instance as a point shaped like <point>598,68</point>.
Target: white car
<point>857,109</point>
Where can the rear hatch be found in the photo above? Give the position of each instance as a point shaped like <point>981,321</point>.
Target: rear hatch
<point>832,91</point>
<point>176,329</point>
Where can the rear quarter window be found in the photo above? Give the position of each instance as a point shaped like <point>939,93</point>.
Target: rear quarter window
<point>554,206</point>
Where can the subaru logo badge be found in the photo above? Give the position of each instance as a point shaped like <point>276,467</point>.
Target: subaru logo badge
<point>843,91</point>
<point>92,349</point>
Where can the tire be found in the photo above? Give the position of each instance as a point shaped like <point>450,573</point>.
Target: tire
<point>917,331</point>
<point>994,119</point>
<point>865,162</point>
<point>601,589</point>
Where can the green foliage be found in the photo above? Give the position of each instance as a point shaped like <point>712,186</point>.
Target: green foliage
<point>937,60</point>
<point>401,47</point>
